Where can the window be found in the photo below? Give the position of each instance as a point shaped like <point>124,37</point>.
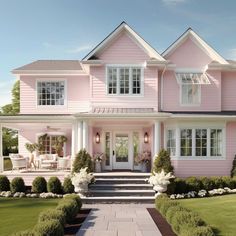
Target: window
<point>51,93</point>
<point>186,142</point>
<point>124,80</point>
<point>171,143</point>
<point>136,147</point>
<point>216,142</point>
<point>201,142</point>
<point>107,148</point>
<point>48,144</point>
<point>191,87</point>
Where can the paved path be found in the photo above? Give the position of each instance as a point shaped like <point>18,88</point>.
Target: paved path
<point>119,220</point>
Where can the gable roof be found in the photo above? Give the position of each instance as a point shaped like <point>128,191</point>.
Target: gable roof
<point>189,33</point>
<point>124,26</point>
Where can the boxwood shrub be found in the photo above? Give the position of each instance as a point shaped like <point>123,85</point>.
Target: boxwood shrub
<point>24,233</point>
<point>171,212</point>
<point>39,185</point>
<point>4,183</point>
<point>193,184</point>
<point>197,231</point>
<point>74,197</point>
<point>68,187</point>
<point>207,183</point>
<point>17,185</point>
<point>52,214</point>
<point>54,185</point>
<point>49,228</point>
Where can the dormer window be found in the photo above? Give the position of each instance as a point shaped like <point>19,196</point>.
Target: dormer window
<point>190,84</point>
<point>124,80</point>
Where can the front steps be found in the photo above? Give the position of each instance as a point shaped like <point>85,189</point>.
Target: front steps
<point>127,187</point>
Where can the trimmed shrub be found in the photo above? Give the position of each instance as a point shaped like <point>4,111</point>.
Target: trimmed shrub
<point>49,228</point>
<point>218,182</point>
<point>68,187</point>
<point>185,219</point>
<point>193,184</point>
<point>74,197</point>
<point>207,183</point>
<point>39,185</point>
<point>53,214</point>
<point>171,212</point>
<point>17,185</point>
<point>197,231</point>
<point>160,200</point>
<point>164,207</point>
<point>162,161</point>
<point>24,233</point>
<point>228,182</point>
<point>180,186</point>
<point>54,185</point>
<point>171,187</point>
<point>233,170</point>
<point>70,208</point>
<point>4,183</point>
<point>82,160</point>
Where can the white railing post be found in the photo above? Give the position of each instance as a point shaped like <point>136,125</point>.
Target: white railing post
<point>80,135</point>
<point>157,137</point>
<point>74,139</point>
<point>1,151</point>
<point>85,135</point>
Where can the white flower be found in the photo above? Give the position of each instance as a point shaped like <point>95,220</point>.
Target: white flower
<point>160,178</point>
<point>82,177</point>
<point>202,193</point>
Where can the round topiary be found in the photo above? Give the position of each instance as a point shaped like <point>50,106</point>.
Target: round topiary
<point>82,160</point>
<point>68,187</point>
<point>4,183</point>
<point>193,184</point>
<point>54,185</point>
<point>76,198</point>
<point>39,185</point>
<point>49,228</point>
<point>52,215</point>
<point>162,161</point>
<point>17,185</point>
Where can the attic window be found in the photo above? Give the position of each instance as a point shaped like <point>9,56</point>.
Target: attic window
<point>192,78</point>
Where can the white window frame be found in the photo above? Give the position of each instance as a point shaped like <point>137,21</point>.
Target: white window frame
<point>130,67</point>
<point>53,81</point>
<point>167,139</point>
<point>208,127</point>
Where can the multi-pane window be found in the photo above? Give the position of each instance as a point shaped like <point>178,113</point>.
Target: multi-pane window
<point>107,148</point>
<point>171,142</point>
<point>136,147</point>
<point>190,94</point>
<point>124,80</point>
<point>186,142</point>
<point>216,142</point>
<point>51,93</point>
<point>201,142</point>
<point>48,144</point>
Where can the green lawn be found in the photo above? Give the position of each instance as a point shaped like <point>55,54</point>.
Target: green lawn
<point>21,214</point>
<point>7,164</point>
<point>218,212</point>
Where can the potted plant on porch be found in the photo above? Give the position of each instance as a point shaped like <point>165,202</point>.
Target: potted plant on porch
<point>59,144</point>
<point>31,148</point>
<point>144,160</point>
<point>97,159</point>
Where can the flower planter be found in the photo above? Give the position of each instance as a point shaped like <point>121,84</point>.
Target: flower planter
<point>143,167</point>
<point>98,166</point>
<point>81,188</point>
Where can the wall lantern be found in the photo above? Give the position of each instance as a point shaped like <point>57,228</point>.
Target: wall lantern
<point>97,138</point>
<point>146,137</point>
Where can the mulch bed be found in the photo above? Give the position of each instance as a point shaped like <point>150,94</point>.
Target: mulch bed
<point>72,229</point>
<point>161,222</point>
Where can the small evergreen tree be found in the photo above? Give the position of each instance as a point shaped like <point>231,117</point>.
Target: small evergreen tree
<point>162,161</point>
<point>82,160</point>
<point>233,170</point>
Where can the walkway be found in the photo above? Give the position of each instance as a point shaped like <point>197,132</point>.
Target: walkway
<point>119,220</point>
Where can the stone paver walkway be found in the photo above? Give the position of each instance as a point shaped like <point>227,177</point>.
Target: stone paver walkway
<point>119,220</point>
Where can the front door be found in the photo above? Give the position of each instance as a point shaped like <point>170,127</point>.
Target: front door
<point>121,158</point>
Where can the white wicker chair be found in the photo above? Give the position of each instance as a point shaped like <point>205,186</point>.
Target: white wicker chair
<point>64,163</point>
<point>19,162</point>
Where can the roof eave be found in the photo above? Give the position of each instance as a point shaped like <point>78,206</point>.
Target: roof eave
<point>48,72</point>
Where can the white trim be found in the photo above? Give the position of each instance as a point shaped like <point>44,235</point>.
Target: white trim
<point>199,42</point>
<point>147,48</point>
<point>49,72</point>
<point>1,150</point>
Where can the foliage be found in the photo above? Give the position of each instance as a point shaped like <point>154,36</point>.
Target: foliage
<point>207,183</point>
<point>197,231</point>
<point>171,212</point>
<point>49,228</point>
<point>10,141</point>
<point>218,182</point>
<point>39,185</point>
<point>233,170</point>
<point>82,160</point>
<point>24,233</point>
<point>41,141</point>
<point>59,144</point>
<point>68,187</point>
<point>162,161</point>
<point>17,185</point>
<point>54,185</point>
<point>4,183</point>
<point>74,197</point>
<point>193,184</point>
<point>31,147</point>
<point>180,186</point>
<point>52,214</point>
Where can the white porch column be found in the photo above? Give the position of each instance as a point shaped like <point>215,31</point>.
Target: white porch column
<point>157,137</point>
<point>74,139</point>
<point>85,135</point>
<point>1,151</point>
<point>80,135</point>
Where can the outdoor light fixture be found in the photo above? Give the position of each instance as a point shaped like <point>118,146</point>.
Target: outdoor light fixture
<point>146,137</point>
<point>97,138</point>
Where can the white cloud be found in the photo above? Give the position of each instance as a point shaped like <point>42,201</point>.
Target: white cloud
<point>79,49</point>
<point>173,2</point>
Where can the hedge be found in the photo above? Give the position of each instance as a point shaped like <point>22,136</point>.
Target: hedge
<point>49,228</point>
<point>54,185</point>
<point>17,185</point>
<point>39,185</point>
<point>52,214</point>
<point>4,183</point>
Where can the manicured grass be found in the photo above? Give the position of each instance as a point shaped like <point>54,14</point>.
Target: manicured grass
<point>7,164</point>
<point>218,212</point>
<point>21,214</point>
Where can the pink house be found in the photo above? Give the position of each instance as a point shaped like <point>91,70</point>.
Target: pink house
<point>124,98</point>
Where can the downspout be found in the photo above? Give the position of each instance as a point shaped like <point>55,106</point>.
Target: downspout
<point>162,86</point>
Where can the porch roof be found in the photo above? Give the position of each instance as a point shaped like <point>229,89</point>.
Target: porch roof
<point>109,110</point>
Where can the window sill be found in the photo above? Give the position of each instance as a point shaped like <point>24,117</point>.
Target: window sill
<point>198,158</point>
<point>190,105</point>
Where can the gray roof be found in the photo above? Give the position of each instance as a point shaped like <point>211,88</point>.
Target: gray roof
<point>51,65</point>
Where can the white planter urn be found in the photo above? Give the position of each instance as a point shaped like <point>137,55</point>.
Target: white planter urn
<point>160,189</point>
<point>98,166</point>
<point>81,188</point>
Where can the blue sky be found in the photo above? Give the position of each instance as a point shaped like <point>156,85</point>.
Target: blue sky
<point>68,29</point>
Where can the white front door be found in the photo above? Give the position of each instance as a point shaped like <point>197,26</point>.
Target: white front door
<point>122,150</point>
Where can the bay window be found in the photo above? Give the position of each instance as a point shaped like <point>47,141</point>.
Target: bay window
<point>171,142</point>
<point>186,142</point>
<point>124,80</point>
<point>216,142</point>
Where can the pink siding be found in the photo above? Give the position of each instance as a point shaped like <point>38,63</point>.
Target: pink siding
<point>208,167</point>
<point>189,55</point>
<point>77,95</point>
<point>123,50</point>
<point>210,94</point>
<point>100,97</point>
<point>229,91</point>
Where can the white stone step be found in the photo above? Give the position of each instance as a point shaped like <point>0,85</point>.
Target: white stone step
<point>122,174</point>
<point>121,185</point>
<point>134,198</point>
<point>119,179</point>
<point>122,191</point>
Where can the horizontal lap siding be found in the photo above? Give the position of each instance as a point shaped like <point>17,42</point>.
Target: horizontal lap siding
<point>184,168</point>
<point>229,91</point>
<point>77,95</point>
